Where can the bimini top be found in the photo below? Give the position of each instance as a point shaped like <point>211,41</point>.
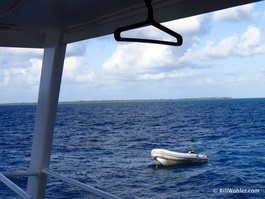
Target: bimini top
<point>24,23</point>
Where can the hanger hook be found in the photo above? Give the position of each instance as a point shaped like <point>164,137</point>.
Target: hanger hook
<point>150,9</point>
<point>149,21</point>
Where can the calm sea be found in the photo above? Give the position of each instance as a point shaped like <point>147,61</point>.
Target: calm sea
<point>107,145</point>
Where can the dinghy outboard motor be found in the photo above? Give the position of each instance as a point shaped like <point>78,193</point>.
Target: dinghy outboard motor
<point>191,151</point>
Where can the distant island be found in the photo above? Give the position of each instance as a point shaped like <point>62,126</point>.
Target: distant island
<point>146,100</point>
<point>134,100</point>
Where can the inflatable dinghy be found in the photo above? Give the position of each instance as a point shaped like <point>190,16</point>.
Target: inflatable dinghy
<point>169,158</point>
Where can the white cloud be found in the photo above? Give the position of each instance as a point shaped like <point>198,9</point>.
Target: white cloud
<point>151,61</point>
<point>4,78</point>
<point>20,81</point>
<point>262,72</point>
<point>234,14</point>
<point>18,57</point>
<point>165,75</point>
<point>246,45</point>
<point>202,81</point>
<point>86,77</point>
<point>195,25</point>
<point>77,70</point>
<point>234,79</point>
<point>33,73</point>
<point>251,39</point>
<point>76,49</point>
<point>134,58</point>
<point>32,52</point>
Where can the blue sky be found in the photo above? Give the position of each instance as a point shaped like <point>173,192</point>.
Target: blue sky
<point>223,55</point>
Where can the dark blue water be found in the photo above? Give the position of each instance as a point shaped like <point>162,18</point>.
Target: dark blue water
<point>107,145</point>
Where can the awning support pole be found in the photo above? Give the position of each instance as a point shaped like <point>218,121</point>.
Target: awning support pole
<point>51,74</point>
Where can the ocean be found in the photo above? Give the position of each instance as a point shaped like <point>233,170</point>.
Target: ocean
<point>107,146</point>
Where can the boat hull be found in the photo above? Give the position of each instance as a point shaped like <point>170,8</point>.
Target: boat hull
<point>170,158</point>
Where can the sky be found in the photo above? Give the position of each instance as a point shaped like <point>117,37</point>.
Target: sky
<point>223,55</point>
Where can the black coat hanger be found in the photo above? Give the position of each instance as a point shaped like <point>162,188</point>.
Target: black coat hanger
<point>149,21</point>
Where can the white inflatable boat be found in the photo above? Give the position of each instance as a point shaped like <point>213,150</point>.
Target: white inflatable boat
<point>169,158</point>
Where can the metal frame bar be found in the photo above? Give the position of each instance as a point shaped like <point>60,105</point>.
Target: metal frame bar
<point>19,174</point>
<point>14,187</point>
<point>25,195</point>
<point>79,184</point>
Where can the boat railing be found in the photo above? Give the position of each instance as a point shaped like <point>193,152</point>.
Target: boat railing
<point>23,194</point>
<point>13,186</point>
